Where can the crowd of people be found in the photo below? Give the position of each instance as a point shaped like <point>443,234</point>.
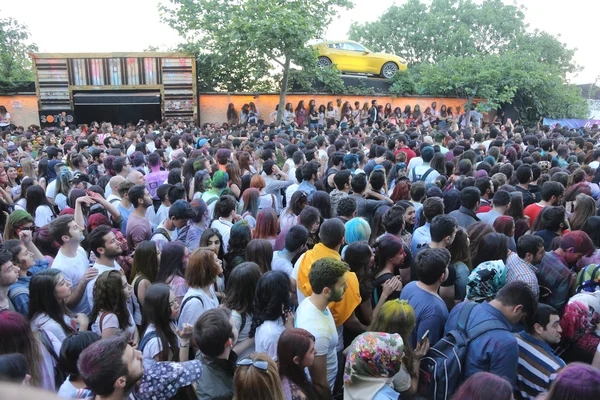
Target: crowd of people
<point>371,258</point>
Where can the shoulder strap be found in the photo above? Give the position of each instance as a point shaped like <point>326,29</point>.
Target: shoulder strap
<point>145,339</point>
<point>102,319</point>
<point>484,327</point>
<point>45,339</point>
<point>162,231</point>
<point>581,277</point>
<point>426,174</point>
<point>112,201</point>
<point>188,299</point>
<point>464,315</point>
<point>212,200</point>
<point>243,322</point>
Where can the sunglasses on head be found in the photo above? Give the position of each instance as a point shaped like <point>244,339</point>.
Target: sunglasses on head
<point>260,364</point>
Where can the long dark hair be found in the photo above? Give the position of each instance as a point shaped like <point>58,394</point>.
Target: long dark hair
<point>493,246</point>
<point>260,251</point>
<point>26,184</point>
<point>71,348</point>
<point>207,234</point>
<point>241,288</point>
<point>459,250</point>
<point>157,311</point>
<point>592,228</point>
<point>42,298</point>
<point>358,255</point>
<point>145,261</point>
<point>387,247</point>
<point>109,296</point>
<point>171,261</point>
<point>36,197</point>
<point>42,171</point>
<point>271,298</point>
<point>322,202</point>
<point>295,342</point>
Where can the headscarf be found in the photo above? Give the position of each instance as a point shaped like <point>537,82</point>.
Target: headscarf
<point>51,172</point>
<point>373,360</point>
<point>486,280</point>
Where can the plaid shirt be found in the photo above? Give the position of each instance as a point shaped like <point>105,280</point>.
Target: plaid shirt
<point>520,270</point>
<point>555,275</point>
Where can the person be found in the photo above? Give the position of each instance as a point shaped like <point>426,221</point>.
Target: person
<point>47,309</point>
<point>389,254</point>
<point>239,298</point>
<point>225,216</point>
<point>110,368</point>
<point>256,376</point>
<point>143,274</point>
<point>197,224</point>
<point>522,265</point>
<point>430,310</point>
<point>328,282</point>
<point>30,261</point>
<point>179,215</point>
<point>138,226</point>
<point>162,341</point>
<point>469,204</point>
<point>342,180</point>
<point>524,177</point>
<point>200,275</point>
<point>373,360</point>
<point>461,262</point>
<point>332,236</point>
<point>477,387</point>
<point>554,272</point>
<point>424,172</point>
<point>72,261</point>
<point>267,226</point>
<point>105,246</point>
<point>538,365</point>
<point>260,251</point>
<point>39,206</point>
<point>73,387</point>
<point>173,263</point>
<point>110,313</point>
<point>275,180</point>
<point>496,351</point>
<point>365,208</point>
<point>576,381</point>
<point>552,193</point>
<point>271,312</point>
<point>215,336</point>
<point>501,203</point>
<point>295,352</point>
<point>346,209</point>
<point>432,207</point>
<point>295,245</point>
<point>310,172</point>
<point>17,337</point>
<point>17,222</point>
<point>553,222</point>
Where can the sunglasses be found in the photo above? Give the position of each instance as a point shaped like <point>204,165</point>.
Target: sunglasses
<point>260,364</point>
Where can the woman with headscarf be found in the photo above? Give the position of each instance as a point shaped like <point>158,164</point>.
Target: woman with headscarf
<point>580,325</point>
<point>373,360</point>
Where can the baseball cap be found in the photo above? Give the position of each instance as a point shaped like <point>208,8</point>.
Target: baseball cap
<point>162,380</point>
<point>181,209</point>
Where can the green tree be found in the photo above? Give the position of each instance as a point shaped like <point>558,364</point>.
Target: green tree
<point>422,33</point>
<point>260,33</point>
<point>15,63</point>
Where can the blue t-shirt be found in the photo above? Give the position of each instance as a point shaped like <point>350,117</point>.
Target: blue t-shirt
<point>125,213</point>
<point>431,313</point>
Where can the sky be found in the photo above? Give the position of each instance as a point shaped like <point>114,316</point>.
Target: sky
<point>133,25</point>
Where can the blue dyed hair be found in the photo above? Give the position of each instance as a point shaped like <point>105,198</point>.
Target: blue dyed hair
<point>357,229</point>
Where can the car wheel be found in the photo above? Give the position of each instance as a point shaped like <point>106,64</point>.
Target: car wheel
<point>323,62</point>
<point>389,69</point>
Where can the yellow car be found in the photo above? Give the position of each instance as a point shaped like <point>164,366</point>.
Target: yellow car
<point>350,56</point>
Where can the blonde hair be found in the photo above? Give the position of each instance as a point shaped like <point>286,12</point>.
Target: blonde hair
<point>250,382</point>
<point>396,316</point>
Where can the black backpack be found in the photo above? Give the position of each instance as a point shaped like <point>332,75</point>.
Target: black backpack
<point>442,369</point>
<point>59,374</point>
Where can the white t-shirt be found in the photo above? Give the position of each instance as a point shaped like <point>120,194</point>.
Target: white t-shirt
<point>73,270</point>
<point>43,216</point>
<point>4,120</point>
<point>111,321</point>
<point>267,336</point>
<point>51,189</point>
<point>44,322</point>
<point>194,308</point>
<point>61,201</point>
<point>289,192</point>
<point>242,333</point>
<point>322,326</point>
<point>21,204</point>
<point>224,228</point>
<point>162,214</point>
<point>281,264</point>
<point>153,347</point>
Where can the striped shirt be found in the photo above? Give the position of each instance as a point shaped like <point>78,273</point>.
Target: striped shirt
<point>537,368</point>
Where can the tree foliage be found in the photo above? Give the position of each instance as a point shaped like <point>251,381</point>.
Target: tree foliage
<point>15,63</point>
<point>469,50</point>
<point>248,38</point>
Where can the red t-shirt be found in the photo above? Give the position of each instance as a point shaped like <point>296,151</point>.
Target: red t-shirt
<point>532,211</point>
<point>409,153</point>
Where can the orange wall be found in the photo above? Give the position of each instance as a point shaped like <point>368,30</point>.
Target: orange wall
<point>23,109</point>
<point>213,107</point>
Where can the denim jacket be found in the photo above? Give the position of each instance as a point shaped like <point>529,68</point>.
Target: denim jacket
<point>18,293</point>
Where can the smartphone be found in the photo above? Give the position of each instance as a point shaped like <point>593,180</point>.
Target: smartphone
<point>425,335</point>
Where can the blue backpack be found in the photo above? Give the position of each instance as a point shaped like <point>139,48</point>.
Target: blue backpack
<point>442,369</point>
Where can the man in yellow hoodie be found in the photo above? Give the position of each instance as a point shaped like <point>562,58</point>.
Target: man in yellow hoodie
<point>331,234</point>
